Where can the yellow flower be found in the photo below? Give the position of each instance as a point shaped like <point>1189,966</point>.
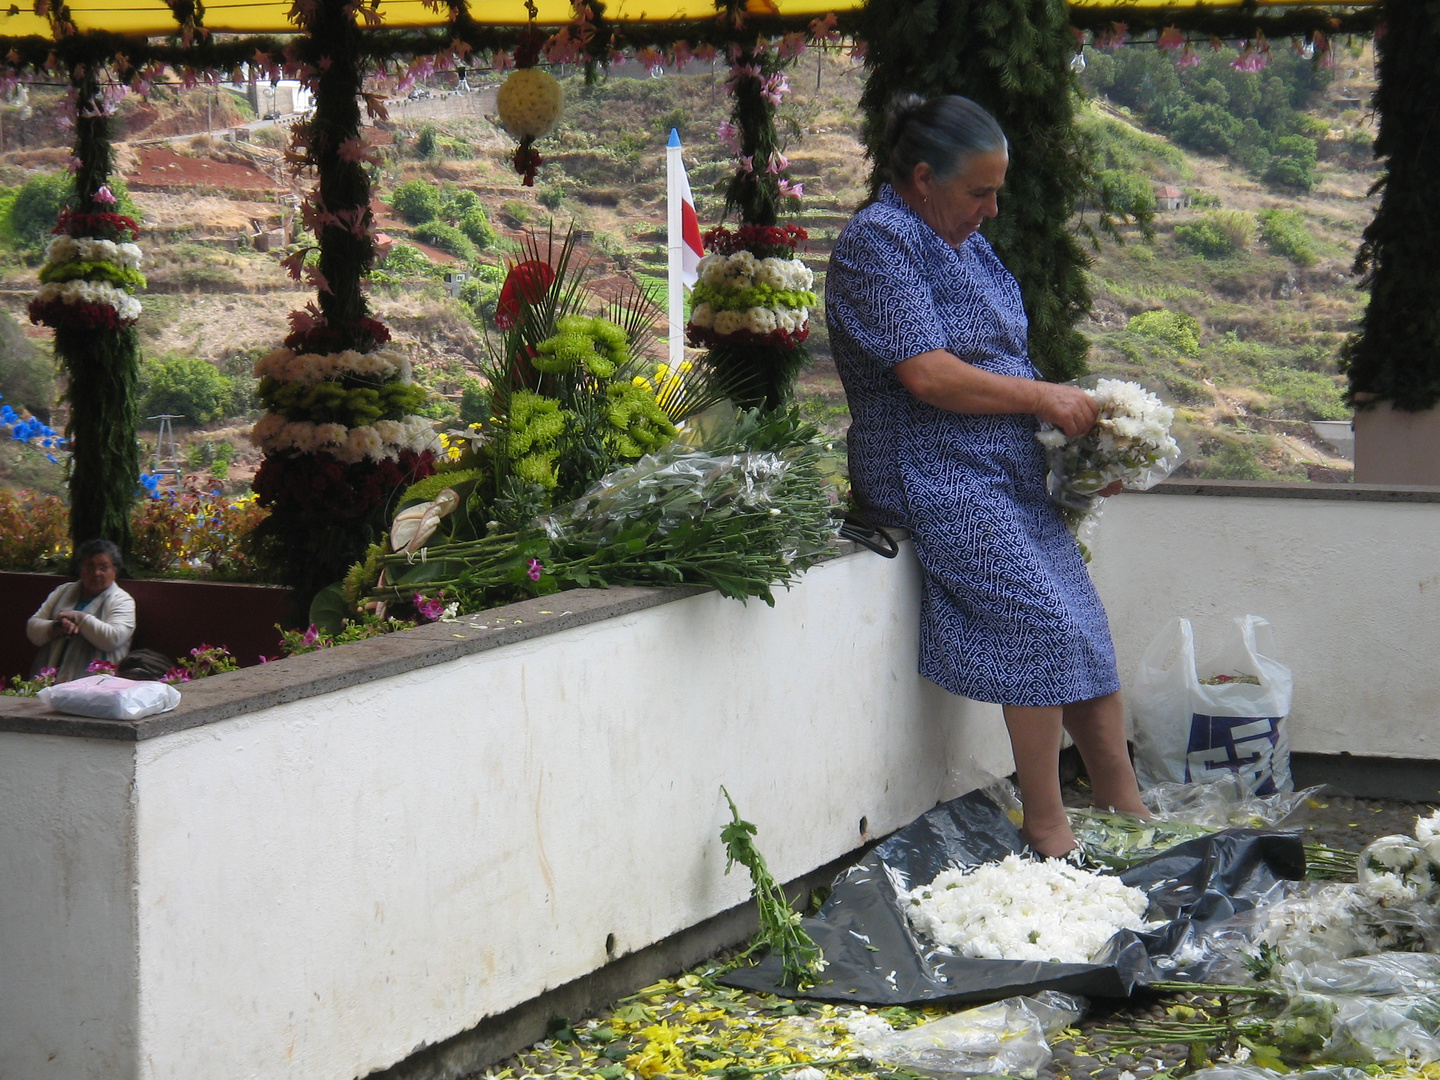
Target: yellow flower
<point>641,381</point>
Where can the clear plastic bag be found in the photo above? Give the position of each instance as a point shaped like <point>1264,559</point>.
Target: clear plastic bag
<point>1313,923</point>
<point>1255,1072</point>
<point>1009,1037</point>
<point>108,698</point>
<point>1223,802</point>
<point>1377,976</point>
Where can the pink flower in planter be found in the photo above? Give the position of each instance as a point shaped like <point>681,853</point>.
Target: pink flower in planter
<point>429,610</point>
<point>311,635</point>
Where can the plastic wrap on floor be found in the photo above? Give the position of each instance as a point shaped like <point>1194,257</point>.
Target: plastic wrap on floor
<point>875,957</point>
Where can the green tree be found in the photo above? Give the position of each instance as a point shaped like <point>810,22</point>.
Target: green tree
<point>416,201</point>
<point>186,386</point>
<point>476,225</point>
<point>1208,129</point>
<point>27,376</point>
<point>447,238</point>
<point>1286,234</point>
<point>1293,164</point>
<point>1013,57</point>
<point>1395,356</point>
<point>1217,234</point>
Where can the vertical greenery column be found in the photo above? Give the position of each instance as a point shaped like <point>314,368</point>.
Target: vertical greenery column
<point>1013,57</point>
<point>102,365</point>
<point>343,191</point>
<point>1395,355</point>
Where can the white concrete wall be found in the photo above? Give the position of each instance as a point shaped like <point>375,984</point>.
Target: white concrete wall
<point>1352,589</point>
<point>325,886</point>
<point>68,987</point>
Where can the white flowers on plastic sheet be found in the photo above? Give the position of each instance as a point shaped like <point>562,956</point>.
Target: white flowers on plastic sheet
<point>1023,909</point>
<point>286,365</point>
<point>68,249</point>
<point>383,439</point>
<point>91,292</point>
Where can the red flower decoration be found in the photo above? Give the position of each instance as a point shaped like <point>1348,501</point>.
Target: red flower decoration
<point>318,336</point>
<point>527,163</point>
<point>526,283</point>
<point>116,227</point>
<point>61,315</point>
<point>704,337</point>
<point>321,486</point>
<point>763,241</point>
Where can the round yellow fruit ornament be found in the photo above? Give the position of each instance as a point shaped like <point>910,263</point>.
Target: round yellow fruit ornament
<point>529,104</point>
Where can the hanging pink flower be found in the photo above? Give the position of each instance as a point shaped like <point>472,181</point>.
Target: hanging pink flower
<point>824,29</point>
<point>681,54</point>
<point>730,135</point>
<point>1170,39</point>
<point>500,60</point>
<point>794,191</point>
<point>791,45</point>
<point>650,57</point>
<point>1187,58</point>
<point>747,162</point>
<point>705,53</point>
<point>775,87</point>
<point>777,163</point>
<point>104,196</point>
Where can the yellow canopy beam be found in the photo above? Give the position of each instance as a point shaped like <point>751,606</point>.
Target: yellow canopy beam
<point>152,18</point>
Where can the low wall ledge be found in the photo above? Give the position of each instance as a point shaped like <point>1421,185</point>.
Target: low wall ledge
<point>220,697</point>
<point>1299,489</point>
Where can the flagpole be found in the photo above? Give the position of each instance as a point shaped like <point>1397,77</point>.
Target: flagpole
<point>673,170</point>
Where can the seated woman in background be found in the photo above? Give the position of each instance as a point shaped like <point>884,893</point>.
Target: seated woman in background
<point>86,620</point>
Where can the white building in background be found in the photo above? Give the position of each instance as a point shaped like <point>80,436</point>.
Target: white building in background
<point>285,97</point>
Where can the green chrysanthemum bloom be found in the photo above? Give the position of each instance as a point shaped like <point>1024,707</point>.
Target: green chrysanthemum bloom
<point>537,469</point>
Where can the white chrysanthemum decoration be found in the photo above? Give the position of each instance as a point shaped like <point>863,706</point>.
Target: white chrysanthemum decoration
<point>529,103</point>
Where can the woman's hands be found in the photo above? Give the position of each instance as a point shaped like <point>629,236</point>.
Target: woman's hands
<point>67,624</point>
<point>1065,407</point>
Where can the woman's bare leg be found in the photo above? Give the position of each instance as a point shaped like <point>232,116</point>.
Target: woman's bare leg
<point>1098,728</point>
<point>1035,742</point>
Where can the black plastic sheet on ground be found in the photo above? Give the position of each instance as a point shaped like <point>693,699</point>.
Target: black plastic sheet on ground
<point>875,957</point>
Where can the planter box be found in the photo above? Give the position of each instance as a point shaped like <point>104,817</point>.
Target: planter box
<point>171,617</point>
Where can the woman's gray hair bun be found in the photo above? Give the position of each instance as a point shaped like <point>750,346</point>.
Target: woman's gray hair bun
<point>942,131</point>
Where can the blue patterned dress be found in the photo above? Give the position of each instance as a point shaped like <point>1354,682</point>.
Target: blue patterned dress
<point>1009,614</point>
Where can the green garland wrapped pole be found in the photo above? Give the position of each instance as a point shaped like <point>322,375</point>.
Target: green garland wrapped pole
<point>755,363</point>
<point>1395,355</point>
<point>339,436</point>
<point>95,340</point>
<point>1013,57</point>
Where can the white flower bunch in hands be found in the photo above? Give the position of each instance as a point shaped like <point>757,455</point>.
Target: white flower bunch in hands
<point>1130,442</point>
<point>1022,909</point>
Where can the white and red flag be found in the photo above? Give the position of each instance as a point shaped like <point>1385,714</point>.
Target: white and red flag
<point>685,245</point>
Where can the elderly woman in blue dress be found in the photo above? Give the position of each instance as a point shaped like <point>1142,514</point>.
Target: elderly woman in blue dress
<point>930,338</point>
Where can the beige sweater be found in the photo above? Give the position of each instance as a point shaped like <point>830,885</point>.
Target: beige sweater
<point>106,629</point>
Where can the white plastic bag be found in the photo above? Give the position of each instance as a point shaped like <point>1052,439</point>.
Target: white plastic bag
<point>1186,730</point>
<point>109,698</point>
